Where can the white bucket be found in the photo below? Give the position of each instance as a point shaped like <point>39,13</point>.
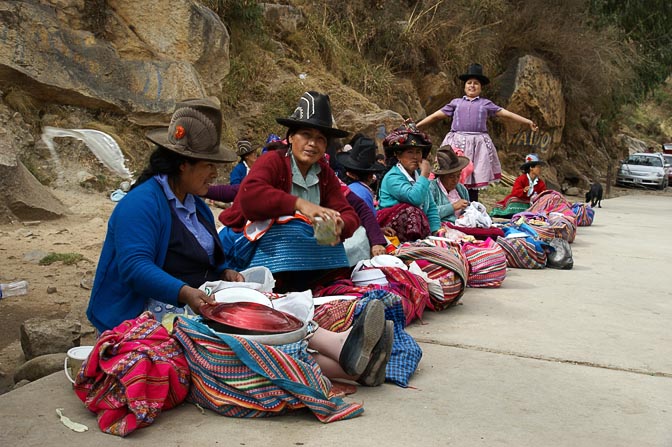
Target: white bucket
<point>74,359</point>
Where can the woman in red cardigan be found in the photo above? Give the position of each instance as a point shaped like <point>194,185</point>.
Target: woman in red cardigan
<point>526,186</point>
<point>271,220</point>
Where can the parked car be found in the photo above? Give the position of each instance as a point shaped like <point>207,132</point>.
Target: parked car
<point>643,169</point>
<point>668,165</point>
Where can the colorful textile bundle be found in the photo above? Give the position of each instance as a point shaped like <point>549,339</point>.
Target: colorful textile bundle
<point>237,377</point>
<point>408,221</point>
<point>134,372</point>
<point>584,213</point>
<point>446,265</point>
<point>478,233</point>
<point>513,205</point>
<point>487,263</point>
<point>550,201</point>
<point>336,316</point>
<point>521,253</point>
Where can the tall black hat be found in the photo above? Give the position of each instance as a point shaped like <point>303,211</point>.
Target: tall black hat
<point>313,111</point>
<point>475,71</point>
<point>362,156</point>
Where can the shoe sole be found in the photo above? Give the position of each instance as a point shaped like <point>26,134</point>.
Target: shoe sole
<point>374,374</point>
<point>368,328</point>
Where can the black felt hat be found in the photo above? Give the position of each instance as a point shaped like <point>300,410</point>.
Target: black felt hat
<point>313,111</point>
<point>362,156</point>
<point>475,71</point>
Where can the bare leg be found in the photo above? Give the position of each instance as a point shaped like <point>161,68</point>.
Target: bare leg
<point>328,343</point>
<point>331,368</point>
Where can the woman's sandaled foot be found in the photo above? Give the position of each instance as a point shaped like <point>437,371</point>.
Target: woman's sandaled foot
<point>365,333</point>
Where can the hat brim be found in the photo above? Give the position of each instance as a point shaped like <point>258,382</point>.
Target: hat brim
<point>426,148</point>
<point>463,162</point>
<point>160,137</point>
<point>328,131</point>
<point>346,161</point>
<point>484,80</point>
<point>531,164</point>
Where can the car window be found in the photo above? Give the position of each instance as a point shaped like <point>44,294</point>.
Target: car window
<point>643,160</point>
<point>668,159</point>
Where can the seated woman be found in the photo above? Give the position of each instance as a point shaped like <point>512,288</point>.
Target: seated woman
<point>405,203</point>
<point>526,186</point>
<point>359,165</point>
<point>360,168</point>
<point>248,156</point>
<point>161,242</point>
<point>450,196</point>
<point>161,245</point>
<point>283,195</point>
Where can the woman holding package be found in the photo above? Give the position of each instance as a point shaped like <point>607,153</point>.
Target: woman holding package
<point>526,187</point>
<point>469,132</point>
<point>287,197</point>
<point>405,203</point>
<point>450,196</point>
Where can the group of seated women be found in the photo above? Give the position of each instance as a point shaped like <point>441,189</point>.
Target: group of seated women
<point>162,244</point>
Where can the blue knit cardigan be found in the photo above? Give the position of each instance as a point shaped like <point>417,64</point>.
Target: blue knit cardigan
<point>129,269</point>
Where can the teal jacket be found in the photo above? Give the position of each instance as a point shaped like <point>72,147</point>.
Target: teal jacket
<point>443,205</point>
<point>395,188</point>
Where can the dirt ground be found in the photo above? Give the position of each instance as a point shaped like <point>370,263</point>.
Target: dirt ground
<point>22,245</point>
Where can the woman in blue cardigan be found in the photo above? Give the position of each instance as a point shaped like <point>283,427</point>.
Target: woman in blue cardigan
<point>161,241</point>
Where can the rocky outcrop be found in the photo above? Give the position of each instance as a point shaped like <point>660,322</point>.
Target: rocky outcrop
<point>375,125</point>
<point>22,197</point>
<point>435,92</point>
<point>283,19</point>
<point>54,51</point>
<point>40,367</point>
<point>40,336</point>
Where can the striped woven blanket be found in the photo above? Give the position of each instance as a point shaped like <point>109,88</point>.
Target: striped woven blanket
<point>135,371</point>
<point>237,377</point>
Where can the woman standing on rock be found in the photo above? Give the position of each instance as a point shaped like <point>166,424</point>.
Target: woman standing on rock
<point>469,133</point>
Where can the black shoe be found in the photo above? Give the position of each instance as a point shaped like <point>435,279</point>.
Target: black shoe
<point>366,332</point>
<point>374,374</point>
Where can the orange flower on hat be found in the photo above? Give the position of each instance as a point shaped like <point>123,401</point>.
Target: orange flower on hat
<point>179,132</point>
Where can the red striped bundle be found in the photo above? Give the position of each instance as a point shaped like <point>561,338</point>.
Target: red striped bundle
<point>487,263</point>
<point>522,254</point>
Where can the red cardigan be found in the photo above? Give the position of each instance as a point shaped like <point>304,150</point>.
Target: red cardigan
<point>265,194</point>
<point>519,185</point>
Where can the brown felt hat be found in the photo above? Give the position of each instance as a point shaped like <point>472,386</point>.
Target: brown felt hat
<point>244,147</point>
<point>447,162</point>
<point>194,131</point>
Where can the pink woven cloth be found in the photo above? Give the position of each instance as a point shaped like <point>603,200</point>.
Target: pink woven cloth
<point>135,371</point>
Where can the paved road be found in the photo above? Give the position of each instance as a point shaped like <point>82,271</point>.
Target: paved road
<point>553,358</point>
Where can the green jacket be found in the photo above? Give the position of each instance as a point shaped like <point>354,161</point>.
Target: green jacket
<point>443,205</point>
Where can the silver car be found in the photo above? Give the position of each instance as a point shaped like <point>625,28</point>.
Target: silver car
<point>643,169</point>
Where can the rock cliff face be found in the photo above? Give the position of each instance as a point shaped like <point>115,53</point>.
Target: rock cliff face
<point>136,59</point>
<point>145,56</point>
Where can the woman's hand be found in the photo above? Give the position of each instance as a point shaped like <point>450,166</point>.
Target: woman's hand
<point>311,211</point>
<point>389,232</point>
<point>533,126</point>
<point>460,204</point>
<point>525,189</point>
<point>425,168</point>
<point>377,250</point>
<point>231,276</point>
<point>194,298</point>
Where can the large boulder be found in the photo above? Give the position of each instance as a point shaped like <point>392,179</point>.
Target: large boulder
<point>529,88</point>
<point>283,19</point>
<point>152,56</point>
<point>40,336</point>
<point>436,90</point>
<point>39,367</point>
<point>375,125</point>
<point>22,196</point>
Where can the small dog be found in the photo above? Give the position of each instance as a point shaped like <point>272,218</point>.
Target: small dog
<point>594,195</point>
